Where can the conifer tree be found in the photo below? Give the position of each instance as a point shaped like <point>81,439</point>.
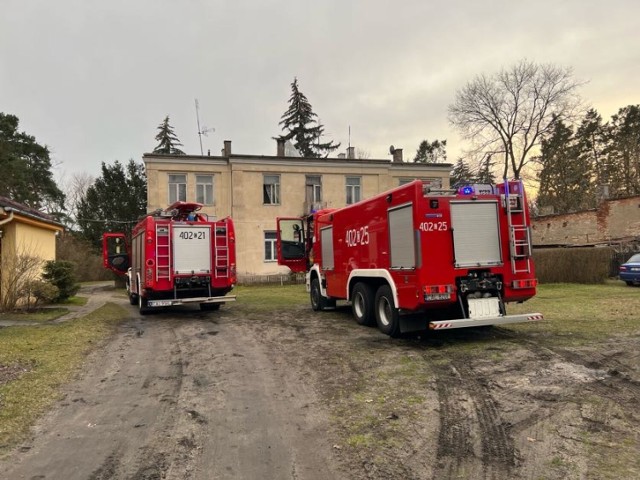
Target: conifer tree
<point>168,141</point>
<point>114,202</point>
<point>300,125</point>
<point>26,170</point>
<point>461,173</point>
<point>431,152</point>
<point>565,178</point>
<point>623,152</point>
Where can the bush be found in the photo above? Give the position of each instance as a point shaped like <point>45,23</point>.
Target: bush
<point>87,263</point>
<point>16,272</point>
<point>61,275</point>
<point>572,265</point>
<point>38,292</point>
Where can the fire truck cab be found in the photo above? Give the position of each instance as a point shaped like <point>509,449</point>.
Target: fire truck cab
<point>176,256</point>
<point>415,258</point>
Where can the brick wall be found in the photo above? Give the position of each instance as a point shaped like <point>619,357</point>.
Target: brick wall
<point>613,220</point>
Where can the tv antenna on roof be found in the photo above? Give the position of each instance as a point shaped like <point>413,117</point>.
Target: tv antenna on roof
<point>201,131</point>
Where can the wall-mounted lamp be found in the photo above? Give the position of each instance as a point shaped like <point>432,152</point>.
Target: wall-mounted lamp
<point>1,233</point>
<point>57,233</point>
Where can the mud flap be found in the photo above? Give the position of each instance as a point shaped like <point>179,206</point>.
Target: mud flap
<point>413,323</point>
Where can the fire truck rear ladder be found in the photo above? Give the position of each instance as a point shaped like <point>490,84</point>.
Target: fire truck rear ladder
<point>519,232</point>
<point>163,252</point>
<point>221,250</point>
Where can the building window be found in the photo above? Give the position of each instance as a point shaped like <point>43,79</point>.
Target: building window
<point>433,182</point>
<point>204,189</point>
<point>271,190</point>
<point>404,181</point>
<point>177,188</point>
<point>313,192</point>
<point>270,247</point>
<point>353,190</point>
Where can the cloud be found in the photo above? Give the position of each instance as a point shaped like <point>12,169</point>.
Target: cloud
<point>93,80</point>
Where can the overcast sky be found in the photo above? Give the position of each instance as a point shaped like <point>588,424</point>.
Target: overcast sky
<point>93,79</point>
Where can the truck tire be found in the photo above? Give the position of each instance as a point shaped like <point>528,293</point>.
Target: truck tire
<point>209,307</point>
<point>387,315</point>
<point>362,304</point>
<point>142,305</point>
<point>133,298</point>
<point>318,302</point>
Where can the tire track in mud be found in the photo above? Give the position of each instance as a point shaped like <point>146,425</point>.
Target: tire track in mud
<point>473,440</point>
<point>118,418</point>
<point>153,459</point>
<point>612,379</point>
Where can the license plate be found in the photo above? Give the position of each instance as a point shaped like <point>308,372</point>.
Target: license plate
<point>159,303</point>
<point>437,296</point>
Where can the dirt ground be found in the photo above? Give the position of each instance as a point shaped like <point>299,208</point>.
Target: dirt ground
<point>254,393</point>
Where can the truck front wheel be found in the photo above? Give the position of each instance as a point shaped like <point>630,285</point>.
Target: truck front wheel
<point>362,304</point>
<point>387,315</point>
<point>318,302</point>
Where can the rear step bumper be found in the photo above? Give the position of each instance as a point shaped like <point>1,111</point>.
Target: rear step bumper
<point>170,302</point>
<point>480,322</point>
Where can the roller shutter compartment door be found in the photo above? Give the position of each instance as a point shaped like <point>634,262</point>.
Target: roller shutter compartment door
<point>476,235</point>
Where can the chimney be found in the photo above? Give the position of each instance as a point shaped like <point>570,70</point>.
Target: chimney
<point>227,148</point>
<point>351,152</point>
<point>280,147</point>
<point>397,155</point>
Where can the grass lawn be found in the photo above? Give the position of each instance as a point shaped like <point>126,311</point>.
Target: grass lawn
<point>35,361</point>
<point>577,312</point>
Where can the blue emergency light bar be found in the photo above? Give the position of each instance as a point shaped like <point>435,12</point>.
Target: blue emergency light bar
<point>476,189</point>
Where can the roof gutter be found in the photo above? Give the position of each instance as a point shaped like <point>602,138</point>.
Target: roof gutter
<point>31,216</point>
<point>9,218</point>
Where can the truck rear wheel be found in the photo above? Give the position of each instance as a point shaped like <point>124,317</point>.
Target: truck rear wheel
<point>133,298</point>
<point>318,302</point>
<point>362,304</point>
<point>387,315</point>
<point>143,307</point>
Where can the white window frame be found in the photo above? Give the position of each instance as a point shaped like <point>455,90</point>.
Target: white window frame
<point>204,189</point>
<point>313,188</point>
<point>270,243</point>
<point>271,191</point>
<point>174,188</point>
<point>353,189</point>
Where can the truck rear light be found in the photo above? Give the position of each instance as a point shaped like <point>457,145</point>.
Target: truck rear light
<point>149,236</point>
<point>149,275</point>
<point>437,292</point>
<point>529,283</point>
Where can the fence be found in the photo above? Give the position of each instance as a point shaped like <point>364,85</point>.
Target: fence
<point>282,279</point>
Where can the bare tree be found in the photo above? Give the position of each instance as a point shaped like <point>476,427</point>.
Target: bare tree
<point>17,271</point>
<point>75,189</point>
<point>509,112</point>
<point>362,154</point>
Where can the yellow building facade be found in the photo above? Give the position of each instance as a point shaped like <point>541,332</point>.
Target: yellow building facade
<point>256,189</point>
<point>27,238</point>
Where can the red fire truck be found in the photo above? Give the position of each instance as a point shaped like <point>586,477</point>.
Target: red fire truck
<point>176,256</point>
<point>415,258</point>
